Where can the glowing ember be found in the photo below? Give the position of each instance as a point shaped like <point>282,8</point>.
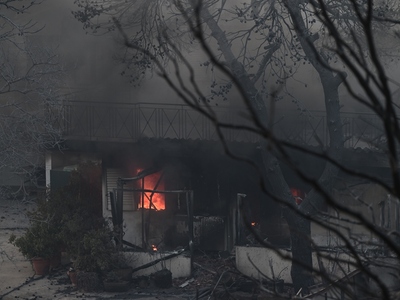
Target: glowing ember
<point>253,223</point>
<point>154,247</point>
<point>298,195</point>
<point>153,182</point>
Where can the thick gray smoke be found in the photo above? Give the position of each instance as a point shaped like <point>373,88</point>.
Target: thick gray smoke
<point>94,74</point>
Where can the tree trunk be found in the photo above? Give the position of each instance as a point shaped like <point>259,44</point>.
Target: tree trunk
<point>300,228</point>
<point>300,235</point>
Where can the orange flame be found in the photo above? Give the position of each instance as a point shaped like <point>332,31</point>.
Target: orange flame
<point>253,223</point>
<point>152,182</point>
<point>154,247</point>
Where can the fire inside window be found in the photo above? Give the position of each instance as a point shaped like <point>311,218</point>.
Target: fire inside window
<point>151,200</point>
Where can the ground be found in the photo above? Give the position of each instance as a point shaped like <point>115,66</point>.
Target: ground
<point>212,275</point>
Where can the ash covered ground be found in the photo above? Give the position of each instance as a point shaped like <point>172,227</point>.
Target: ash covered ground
<point>214,275</point>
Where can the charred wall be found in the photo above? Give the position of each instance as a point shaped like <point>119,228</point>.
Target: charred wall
<point>216,179</point>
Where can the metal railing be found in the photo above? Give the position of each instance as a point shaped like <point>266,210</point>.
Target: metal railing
<point>131,122</point>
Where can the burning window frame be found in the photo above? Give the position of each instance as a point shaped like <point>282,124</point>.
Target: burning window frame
<point>117,209</point>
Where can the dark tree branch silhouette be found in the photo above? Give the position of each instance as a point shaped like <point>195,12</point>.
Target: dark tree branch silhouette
<point>255,49</point>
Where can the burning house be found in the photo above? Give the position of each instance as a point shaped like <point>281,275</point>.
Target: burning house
<point>158,180</point>
<point>168,183</point>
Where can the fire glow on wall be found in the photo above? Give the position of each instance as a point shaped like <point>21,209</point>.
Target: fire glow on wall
<point>152,200</point>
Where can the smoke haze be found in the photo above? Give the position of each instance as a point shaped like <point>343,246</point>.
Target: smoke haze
<point>94,74</point>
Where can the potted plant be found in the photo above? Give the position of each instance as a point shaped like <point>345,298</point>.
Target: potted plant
<point>73,276</point>
<point>84,233</point>
<point>69,218</point>
<point>92,256</point>
<point>39,244</point>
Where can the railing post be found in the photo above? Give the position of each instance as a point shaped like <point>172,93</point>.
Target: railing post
<point>180,122</point>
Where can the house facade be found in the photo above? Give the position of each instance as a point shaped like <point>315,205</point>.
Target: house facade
<point>167,166</point>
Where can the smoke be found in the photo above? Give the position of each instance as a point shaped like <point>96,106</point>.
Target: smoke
<point>93,74</point>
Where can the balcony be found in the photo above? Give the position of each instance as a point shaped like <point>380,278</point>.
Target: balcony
<point>123,122</point>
